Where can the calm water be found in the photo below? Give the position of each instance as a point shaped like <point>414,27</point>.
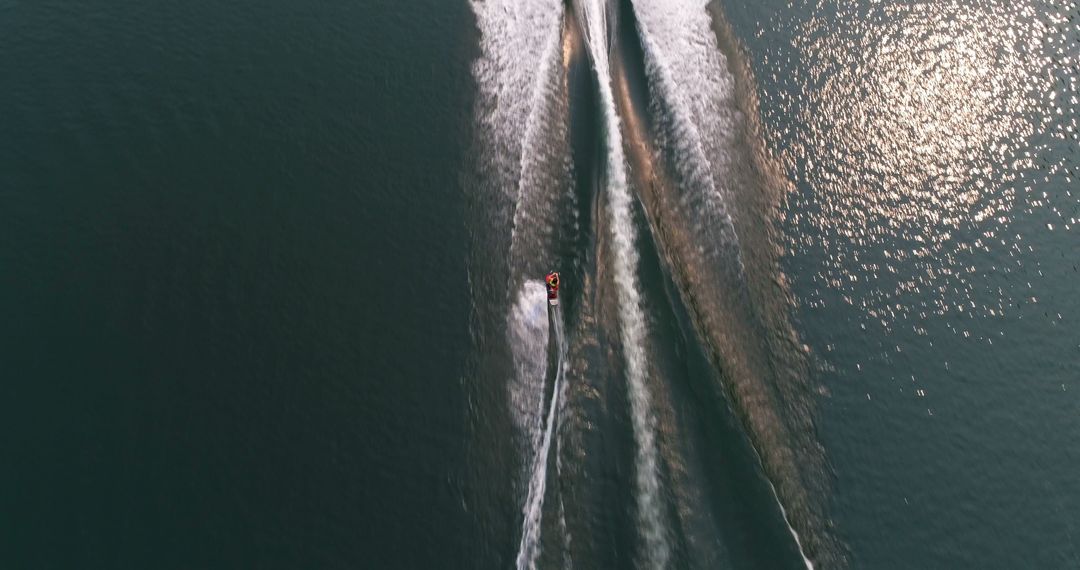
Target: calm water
<point>232,257</point>
<point>268,288</point>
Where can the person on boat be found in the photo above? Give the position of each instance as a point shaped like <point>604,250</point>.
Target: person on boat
<point>552,280</point>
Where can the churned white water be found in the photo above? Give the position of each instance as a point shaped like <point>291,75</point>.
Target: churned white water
<point>650,510</point>
<point>529,548</point>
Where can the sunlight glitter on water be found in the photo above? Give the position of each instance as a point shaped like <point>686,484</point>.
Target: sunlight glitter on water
<point>930,128</point>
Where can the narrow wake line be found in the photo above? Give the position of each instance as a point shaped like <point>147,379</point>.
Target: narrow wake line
<point>529,549</point>
<point>567,563</point>
<point>631,320</point>
<point>787,521</point>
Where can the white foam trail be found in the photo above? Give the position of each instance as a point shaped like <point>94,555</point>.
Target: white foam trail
<point>567,562</point>
<point>534,155</point>
<point>681,43</point>
<point>515,39</point>
<point>692,160</point>
<point>593,17</point>
<point>529,549</point>
<point>527,329</point>
<point>516,75</point>
<point>687,69</point>
<point>806,559</point>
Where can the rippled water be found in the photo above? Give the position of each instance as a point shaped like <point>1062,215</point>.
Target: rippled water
<point>932,244</point>
<point>268,298</point>
<point>925,130</point>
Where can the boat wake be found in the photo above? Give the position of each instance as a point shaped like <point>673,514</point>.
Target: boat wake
<point>594,18</point>
<point>653,141</point>
<point>529,548</point>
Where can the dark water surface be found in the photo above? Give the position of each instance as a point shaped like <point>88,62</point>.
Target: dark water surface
<point>232,244</point>
<point>265,289</point>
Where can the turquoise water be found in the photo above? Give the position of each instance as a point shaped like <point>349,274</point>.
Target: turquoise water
<point>268,280</point>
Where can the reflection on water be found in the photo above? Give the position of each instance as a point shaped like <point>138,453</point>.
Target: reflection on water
<point>927,96</point>
<point>931,241</point>
<point>926,128</point>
